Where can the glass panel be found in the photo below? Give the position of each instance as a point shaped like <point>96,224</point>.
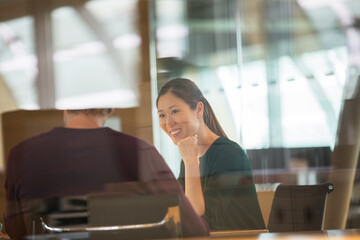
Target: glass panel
<point>304,121</point>
<point>255,127</point>
<point>197,40</point>
<point>106,49</point>
<point>277,74</point>
<point>282,77</point>
<point>18,62</point>
<point>272,90</point>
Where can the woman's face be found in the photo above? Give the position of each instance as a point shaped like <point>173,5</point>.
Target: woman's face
<point>176,117</point>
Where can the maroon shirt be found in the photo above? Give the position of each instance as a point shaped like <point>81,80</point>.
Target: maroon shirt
<point>68,162</point>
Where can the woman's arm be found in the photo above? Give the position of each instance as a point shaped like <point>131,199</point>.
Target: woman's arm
<point>193,191</point>
<point>193,188</point>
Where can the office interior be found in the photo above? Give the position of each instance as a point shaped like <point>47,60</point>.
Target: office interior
<point>282,77</point>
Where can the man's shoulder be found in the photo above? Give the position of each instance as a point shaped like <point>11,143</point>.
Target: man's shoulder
<point>36,138</point>
<point>132,140</point>
<point>31,145</point>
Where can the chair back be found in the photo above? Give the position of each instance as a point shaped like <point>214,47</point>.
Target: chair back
<point>135,217</point>
<point>299,207</point>
<point>58,212</point>
<point>115,216</point>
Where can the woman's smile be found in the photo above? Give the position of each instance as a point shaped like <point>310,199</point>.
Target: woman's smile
<point>175,133</point>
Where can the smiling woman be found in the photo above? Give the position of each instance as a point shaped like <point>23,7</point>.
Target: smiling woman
<point>176,117</point>
<point>215,171</point>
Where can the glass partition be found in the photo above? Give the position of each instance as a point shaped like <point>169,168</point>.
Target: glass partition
<point>276,73</point>
<point>282,77</point>
<point>99,43</point>
<point>18,60</point>
<point>272,80</point>
<point>87,64</point>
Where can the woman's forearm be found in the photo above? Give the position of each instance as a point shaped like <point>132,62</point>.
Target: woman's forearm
<point>193,190</point>
<point>189,152</point>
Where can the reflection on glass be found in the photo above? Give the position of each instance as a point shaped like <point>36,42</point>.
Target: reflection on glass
<point>255,127</point>
<point>100,50</point>
<point>18,63</point>
<point>215,171</point>
<point>87,177</point>
<point>277,75</point>
<point>310,79</point>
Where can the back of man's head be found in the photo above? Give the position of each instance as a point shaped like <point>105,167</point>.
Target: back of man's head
<point>92,111</point>
<point>86,118</point>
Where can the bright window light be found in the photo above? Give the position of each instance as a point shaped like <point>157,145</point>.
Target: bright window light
<point>119,98</point>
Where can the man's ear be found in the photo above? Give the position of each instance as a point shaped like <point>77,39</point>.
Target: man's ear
<point>65,116</point>
<point>111,111</point>
<point>199,110</point>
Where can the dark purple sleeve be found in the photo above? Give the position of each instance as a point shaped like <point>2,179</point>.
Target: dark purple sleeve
<point>13,218</point>
<point>162,181</point>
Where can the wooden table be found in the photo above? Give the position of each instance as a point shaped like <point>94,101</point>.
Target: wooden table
<point>349,234</point>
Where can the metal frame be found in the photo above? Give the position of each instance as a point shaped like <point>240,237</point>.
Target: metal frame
<point>171,221</point>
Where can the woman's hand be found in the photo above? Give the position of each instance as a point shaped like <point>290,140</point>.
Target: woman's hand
<point>188,150</point>
<point>189,153</point>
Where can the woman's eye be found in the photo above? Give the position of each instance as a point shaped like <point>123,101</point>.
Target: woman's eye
<point>161,115</point>
<point>174,111</point>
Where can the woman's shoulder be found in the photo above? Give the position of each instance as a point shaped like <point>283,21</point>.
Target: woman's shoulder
<point>225,145</point>
<point>226,155</point>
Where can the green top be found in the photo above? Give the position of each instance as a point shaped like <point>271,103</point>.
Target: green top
<point>228,186</point>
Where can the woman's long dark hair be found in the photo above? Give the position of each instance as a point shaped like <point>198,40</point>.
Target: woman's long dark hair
<point>187,90</point>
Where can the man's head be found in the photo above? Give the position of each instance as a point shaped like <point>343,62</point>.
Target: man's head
<point>86,118</point>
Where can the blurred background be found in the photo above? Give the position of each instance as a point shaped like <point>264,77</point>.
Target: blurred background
<point>282,77</point>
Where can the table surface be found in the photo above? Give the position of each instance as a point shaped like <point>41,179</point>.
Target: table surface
<point>349,234</point>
